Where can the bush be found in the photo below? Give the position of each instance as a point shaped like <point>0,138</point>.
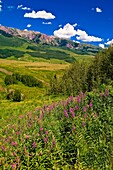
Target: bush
<point>10,79</point>
<point>27,80</point>
<point>73,80</point>
<point>15,95</point>
<point>30,81</point>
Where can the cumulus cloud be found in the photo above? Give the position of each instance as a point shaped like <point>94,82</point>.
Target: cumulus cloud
<point>28,25</point>
<point>109,42</point>
<point>23,8</point>
<point>60,25</point>
<point>40,14</point>
<point>47,23</point>
<point>74,25</point>
<point>69,31</point>
<point>66,32</point>
<point>19,6</point>
<point>25,30</point>
<point>98,10</point>
<point>102,46</point>
<point>83,36</point>
<point>0,7</point>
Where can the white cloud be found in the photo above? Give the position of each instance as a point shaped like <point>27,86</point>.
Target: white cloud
<point>108,39</point>
<point>77,42</point>
<point>0,5</point>
<point>25,30</point>
<point>74,25</point>
<point>19,6</point>
<point>69,31</point>
<point>98,10</point>
<point>83,36</point>
<point>102,46</point>
<point>28,25</point>
<point>47,23</point>
<point>23,8</point>
<point>26,8</point>
<point>0,8</point>
<point>66,32</point>
<point>60,25</point>
<point>40,14</point>
<point>109,42</point>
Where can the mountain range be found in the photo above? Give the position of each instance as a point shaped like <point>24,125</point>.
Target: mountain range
<point>15,42</point>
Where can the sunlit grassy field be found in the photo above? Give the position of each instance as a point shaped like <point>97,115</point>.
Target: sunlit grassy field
<point>34,96</point>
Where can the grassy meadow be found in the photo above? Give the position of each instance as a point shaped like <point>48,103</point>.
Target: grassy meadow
<point>34,97</point>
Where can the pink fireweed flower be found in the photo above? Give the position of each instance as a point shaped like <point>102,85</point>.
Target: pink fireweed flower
<point>71,110</point>
<point>65,113</point>
<point>41,129</point>
<point>101,94</point>
<point>13,154</point>
<point>76,107</point>
<point>106,92</point>
<point>34,145</point>
<point>14,143</point>
<point>84,109</point>
<point>45,140</point>
<point>90,104</point>
<point>73,114</point>
<point>73,128</point>
<point>85,115</point>
<point>54,142</point>
<point>95,115</point>
<point>27,137</point>
<point>17,159</point>
<point>14,166</point>
<point>46,132</point>
<point>3,148</point>
<point>78,99</point>
<point>83,124</point>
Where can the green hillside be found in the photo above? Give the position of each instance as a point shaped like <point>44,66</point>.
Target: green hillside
<point>21,48</point>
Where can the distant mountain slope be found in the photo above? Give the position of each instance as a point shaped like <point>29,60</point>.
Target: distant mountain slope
<point>15,42</point>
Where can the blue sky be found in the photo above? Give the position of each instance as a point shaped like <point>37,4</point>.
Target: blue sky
<point>87,21</point>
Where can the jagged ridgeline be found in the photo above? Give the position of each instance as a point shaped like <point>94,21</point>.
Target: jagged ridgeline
<point>15,43</point>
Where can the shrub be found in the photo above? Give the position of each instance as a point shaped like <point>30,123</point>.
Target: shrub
<point>10,79</point>
<point>30,81</point>
<point>15,95</point>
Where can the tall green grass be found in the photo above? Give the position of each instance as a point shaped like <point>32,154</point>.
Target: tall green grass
<point>76,133</point>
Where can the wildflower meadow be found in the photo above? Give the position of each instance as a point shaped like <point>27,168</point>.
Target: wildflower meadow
<point>76,133</point>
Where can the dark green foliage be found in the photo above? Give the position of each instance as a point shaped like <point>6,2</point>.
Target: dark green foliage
<point>30,81</point>
<point>82,76</point>
<point>73,80</point>
<point>5,34</point>
<point>10,79</point>
<point>5,53</point>
<point>50,54</point>
<point>10,41</point>
<point>27,80</point>
<point>101,70</point>
<point>15,95</point>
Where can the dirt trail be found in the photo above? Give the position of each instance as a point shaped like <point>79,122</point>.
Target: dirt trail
<point>5,71</point>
